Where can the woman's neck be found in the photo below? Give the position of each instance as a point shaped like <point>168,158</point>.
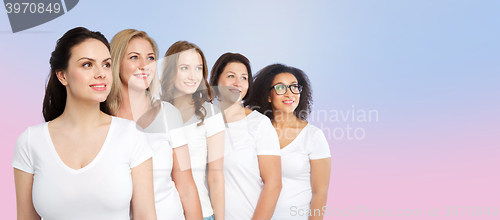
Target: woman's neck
<point>284,119</point>
<point>82,114</point>
<point>134,104</point>
<point>231,107</point>
<point>233,111</point>
<point>183,101</point>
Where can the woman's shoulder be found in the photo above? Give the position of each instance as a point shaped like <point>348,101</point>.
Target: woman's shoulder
<point>256,115</point>
<point>168,107</point>
<point>211,108</point>
<point>123,126</point>
<point>249,111</point>
<point>259,120</point>
<point>38,126</point>
<point>312,130</point>
<point>165,104</point>
<point>121,121</point>
<point>33,130</point>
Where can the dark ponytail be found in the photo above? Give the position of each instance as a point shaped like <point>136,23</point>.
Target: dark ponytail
<point>54,101</point>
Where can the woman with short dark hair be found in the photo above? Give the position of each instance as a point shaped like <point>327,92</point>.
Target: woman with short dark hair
<point>252,170</point>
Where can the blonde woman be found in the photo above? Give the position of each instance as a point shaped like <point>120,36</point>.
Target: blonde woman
<point>133,97</point>
<point>184,84</point>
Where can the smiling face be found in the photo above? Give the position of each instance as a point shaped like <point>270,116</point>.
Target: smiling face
<point>88,76</point>
<point>288,102</point>
<point>233,82</point>
<point>189,72</point>
<point>138,66</point>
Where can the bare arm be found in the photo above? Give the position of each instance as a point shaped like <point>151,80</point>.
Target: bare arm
<point>185,185</point>
<point>24,187</point>
<point>270,171</point>
<point>215,176</point>
<point>320,180</point>
<point>143,203</point>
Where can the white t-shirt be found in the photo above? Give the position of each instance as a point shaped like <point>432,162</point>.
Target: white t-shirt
<point>167,201</point>
<point>197,144</point>
<point>100,190</point>
<point>245,140</point>
<point>296,194</point>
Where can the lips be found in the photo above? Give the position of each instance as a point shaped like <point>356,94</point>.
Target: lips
<point>235,90</point>
<point>190,84</point>
<point>288,102</point>
<point>99,86</point>
<point>142,75</point>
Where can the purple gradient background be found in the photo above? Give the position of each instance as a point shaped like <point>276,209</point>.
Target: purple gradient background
<point>430,69</point>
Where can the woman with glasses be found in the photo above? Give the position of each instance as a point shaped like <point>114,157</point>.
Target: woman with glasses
<point>252,170</point>
<point>283,94</point>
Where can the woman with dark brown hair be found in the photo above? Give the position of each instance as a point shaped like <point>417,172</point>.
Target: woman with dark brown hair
<point>184,84</point>
<point>133,97</point>
<point>252,168</point>
<point>284,94</point>
<point>82,163</point>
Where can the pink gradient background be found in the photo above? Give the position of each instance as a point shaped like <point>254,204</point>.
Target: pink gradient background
<point>430,69</point>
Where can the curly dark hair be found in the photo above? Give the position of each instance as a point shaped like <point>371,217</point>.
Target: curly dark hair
<point>258,99</point>
<point>221,64</point>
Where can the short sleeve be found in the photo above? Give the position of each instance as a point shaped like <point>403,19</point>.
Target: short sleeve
<point>22,155</point>
<point>214,121</point>
<point>141,149</point>
<point>267,142</point>
<point>319,148</point>
<point>158,140</point>
<point>175,125</point>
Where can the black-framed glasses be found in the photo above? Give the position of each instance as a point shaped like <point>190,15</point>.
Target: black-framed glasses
<point>280,89</point>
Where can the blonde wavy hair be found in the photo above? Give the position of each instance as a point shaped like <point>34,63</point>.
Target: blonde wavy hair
<point>119,45</point>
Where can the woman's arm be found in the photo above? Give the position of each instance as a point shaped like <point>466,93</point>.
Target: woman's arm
<point>185,185</point>
<point>215,176</point>
<point>143,203</point>
<point>270,171</point>
<point>24,186</point>
<point>320,180</point>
